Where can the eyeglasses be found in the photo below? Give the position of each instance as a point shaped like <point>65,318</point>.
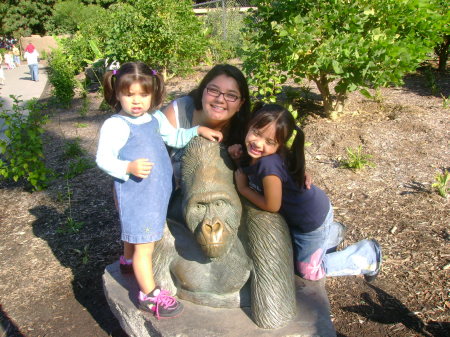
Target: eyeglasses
<point>216,93</point>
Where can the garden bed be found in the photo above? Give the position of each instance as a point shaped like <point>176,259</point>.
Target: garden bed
<point>51,268</point>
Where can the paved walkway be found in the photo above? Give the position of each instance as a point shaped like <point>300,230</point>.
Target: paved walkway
<point>18,82</point>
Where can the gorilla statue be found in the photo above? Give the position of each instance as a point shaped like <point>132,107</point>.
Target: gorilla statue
<point>225,254</point>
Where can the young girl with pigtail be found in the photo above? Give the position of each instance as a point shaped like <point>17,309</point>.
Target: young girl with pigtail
<point>272,177</point>
<point>131,149</point>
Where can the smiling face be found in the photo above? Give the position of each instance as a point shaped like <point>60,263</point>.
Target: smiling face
<point>221,108</point>
<point>135,102</point>
<point>261,142</point>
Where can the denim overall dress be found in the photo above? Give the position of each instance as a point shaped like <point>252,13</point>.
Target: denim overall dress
<point>143,202</point>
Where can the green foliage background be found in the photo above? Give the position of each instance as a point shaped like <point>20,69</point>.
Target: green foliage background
<point>22,150</point>
<point>68,15</point>
<point>26,17</point>
<point>164,34</point>
<point>357,43</point>
<point>222,29</point>
<point>61,75</point>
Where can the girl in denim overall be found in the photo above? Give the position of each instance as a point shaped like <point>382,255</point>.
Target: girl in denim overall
<point>273,179</point>
<point>132,150</point>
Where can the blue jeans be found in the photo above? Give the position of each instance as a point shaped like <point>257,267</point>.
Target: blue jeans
<point>34,71</point>
<point>316,255</point>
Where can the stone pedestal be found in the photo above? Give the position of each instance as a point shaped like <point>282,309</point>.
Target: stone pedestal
<point>313,314</point>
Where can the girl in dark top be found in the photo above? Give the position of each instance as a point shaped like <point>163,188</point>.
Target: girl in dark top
<point>273,178</point>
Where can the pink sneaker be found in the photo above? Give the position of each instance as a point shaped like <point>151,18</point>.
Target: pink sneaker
<point>125,267</point>
<point>160,303</point>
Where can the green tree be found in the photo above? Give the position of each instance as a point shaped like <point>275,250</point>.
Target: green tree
<point>222,28</point>
<point>353,43</point>
<point>443,27</point>
<point>164,34</point>
<point>62,77</point>
<point>91,32</point>
<point>103,3</point>
<point>25,17</point>
<point>69,15</point>
<point>3,10</point>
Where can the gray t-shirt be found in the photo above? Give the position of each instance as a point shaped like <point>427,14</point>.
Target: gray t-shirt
<point>184,111</point>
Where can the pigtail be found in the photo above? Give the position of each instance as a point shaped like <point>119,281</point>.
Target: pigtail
<point>297,157</point>
<point>108,88</point>
<point>159,90</point>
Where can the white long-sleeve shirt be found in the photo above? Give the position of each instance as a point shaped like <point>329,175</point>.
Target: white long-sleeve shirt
<point>114,134</point>
<point>32,58</point>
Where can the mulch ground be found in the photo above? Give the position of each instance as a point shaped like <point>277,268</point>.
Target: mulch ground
<point>55,244</point>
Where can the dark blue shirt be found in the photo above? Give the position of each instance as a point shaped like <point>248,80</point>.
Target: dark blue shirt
<point>302,208</point>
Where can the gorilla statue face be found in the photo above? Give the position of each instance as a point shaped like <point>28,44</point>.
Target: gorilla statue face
<point>211,204</point>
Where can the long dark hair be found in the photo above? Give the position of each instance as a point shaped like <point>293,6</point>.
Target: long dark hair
<point>285,125</point>
<point>119,82</point>
<point>240,119</point>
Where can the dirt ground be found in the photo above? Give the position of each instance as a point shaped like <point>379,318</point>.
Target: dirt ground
<point>55,244</point>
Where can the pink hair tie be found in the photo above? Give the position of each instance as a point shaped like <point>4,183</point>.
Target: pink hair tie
<point>154,72</point>
<point>114,71</point>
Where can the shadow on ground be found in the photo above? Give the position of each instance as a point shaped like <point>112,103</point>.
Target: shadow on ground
<point>71,249</point>
<point>7,327</point>
<point>80,224</point>
<point>436,83</point>
<point>391,311</point>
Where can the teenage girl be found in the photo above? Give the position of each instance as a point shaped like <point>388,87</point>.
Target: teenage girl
<point>131,149</point>
<point>273,179</point>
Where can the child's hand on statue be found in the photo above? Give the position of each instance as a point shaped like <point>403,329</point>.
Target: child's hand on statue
<point>215,136</point>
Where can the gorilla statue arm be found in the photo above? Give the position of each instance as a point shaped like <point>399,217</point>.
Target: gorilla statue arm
<point>272,278</point>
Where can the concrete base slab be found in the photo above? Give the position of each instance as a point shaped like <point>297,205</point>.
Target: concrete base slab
<point>313,314</point>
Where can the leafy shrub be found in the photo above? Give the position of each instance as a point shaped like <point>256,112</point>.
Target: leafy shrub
<point>78,49</point>
<point>164,34</point>
<point>77,167</point>
<point>88,43</point>
<point>442,49</point>
<point>68,15</point>
<point>356,159</point>
<point>73,149</point>
<point>358,44</point>
<point>81,50</point>
<point>70,227</point>
<point>266,79</point>
<point>222,28</point>
<point>22,151</point>
<point>441,183</point>
<point>62,77</point>
<point>445,101</point>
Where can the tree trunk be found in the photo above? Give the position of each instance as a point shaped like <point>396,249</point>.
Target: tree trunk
<point>442,51</point>
<point>324,89</point>
<point>331,107</point>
